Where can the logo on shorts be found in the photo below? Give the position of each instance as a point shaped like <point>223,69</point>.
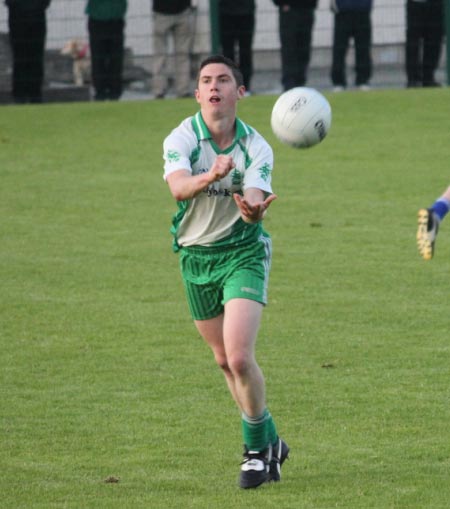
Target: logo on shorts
<point>249,290</point>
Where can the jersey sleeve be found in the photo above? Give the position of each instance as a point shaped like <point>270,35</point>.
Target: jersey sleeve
<point>177,148</point>
<point>259,172</point>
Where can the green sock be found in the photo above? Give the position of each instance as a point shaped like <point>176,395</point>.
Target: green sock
<point>255,431</point>
<point>272,429</point>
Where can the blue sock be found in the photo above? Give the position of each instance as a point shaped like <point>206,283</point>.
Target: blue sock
<point>441,208</point>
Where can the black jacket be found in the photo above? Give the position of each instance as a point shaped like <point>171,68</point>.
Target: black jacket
<point>308,4</point>
<point>236,7</point>
<point>28,5</point>
<point>170,6</point>
<point>351,5</point>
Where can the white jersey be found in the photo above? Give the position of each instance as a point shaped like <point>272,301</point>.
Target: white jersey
<point>213,217</point>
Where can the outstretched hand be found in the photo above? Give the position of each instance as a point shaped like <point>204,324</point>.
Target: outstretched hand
<point>253,212</point>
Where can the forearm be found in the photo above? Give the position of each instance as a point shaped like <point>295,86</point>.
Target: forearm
<point>255,212</point>
<point>185,186</point>
<point>254,195</point>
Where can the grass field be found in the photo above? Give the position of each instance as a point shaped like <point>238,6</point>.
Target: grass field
<point>103,376</point>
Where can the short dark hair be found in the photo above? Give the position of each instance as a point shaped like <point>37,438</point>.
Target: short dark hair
<point>220,59</point>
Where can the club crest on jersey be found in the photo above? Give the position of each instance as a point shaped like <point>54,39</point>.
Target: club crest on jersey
<point>236,177</point>
<point>265,171</point>
<point>173,156</point>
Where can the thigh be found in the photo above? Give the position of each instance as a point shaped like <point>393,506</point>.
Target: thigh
<point>241,324</point>
<point>362,30</point>
<point>434,24</point>
<point>211,331</point>
<point>340,33</point>
<point>245,33</point>
<point>227,35</point>
<point>288,28</point>
<point>182,32</point>
<point>98,37</point>
<point>305,24</point>
<point>161,28</point>
<point>414,19</point>
<point>117,36</point>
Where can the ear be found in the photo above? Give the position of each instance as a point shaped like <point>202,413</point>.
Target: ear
<point>197,95</point>
<point>241,91</point>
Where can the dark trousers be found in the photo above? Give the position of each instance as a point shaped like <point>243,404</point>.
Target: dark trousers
<point>354,25</point>
<point>296,27</point>
<point>106,39</point>
<point>236,38</point>
<point>27,33</point>
<point>424,37</point>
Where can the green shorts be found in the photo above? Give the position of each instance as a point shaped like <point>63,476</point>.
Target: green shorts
<point>213,276</point>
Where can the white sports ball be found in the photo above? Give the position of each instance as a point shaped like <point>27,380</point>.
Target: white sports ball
<point>301,117</point>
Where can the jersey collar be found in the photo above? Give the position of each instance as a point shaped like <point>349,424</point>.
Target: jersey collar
<point>202,132</point>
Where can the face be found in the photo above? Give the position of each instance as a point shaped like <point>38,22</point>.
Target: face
<point>217,90</point>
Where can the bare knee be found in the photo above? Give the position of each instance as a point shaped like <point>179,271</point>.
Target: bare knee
<point>240,364</point>
<point>222,362</point>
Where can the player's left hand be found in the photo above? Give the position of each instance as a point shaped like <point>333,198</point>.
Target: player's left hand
<point>253,212</point>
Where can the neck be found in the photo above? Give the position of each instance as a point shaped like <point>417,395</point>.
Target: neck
<point>222,130</point>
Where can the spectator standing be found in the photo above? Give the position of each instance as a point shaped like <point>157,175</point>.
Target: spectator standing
<point>106,25</point>
<point>237,28</point>
<point>27,34</point>
<point>424,37</point>
<point>296,21</point>
<point>172,19</point>
<point>352,21</point>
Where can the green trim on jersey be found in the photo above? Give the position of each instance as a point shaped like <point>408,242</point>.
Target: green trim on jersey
<point>248,159</point>
<point>242,233</point>
<point>176,220</point>
<point>202,132</point>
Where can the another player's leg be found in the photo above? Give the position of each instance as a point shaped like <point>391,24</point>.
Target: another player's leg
<point>427,229</point>
<point>428,225</point>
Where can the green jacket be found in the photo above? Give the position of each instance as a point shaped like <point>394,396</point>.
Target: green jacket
<point>106,9</point>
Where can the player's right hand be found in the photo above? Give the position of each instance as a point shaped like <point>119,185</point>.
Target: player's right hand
<point>221,167</point>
